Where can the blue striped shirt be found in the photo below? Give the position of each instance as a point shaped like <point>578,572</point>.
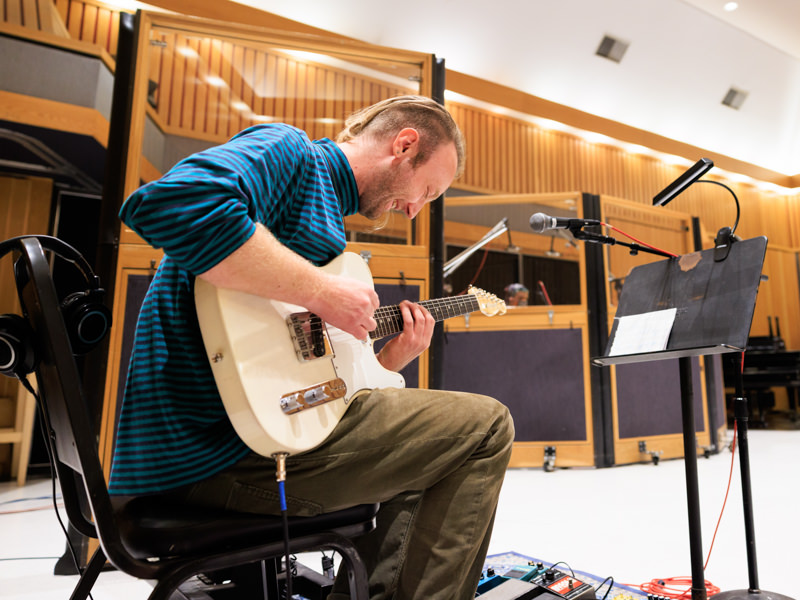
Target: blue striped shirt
<point>173,429</point>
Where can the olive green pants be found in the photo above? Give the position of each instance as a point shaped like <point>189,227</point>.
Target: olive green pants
<point>434,460</point>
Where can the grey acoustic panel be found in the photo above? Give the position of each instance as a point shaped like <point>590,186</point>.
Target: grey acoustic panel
<point>53,74</point>
<point>538,374</point>
<point>394,294</point>
<point>649,398</point>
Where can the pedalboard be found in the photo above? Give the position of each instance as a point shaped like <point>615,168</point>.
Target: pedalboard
<point>534,580</point>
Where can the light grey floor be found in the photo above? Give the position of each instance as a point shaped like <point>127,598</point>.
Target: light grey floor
<point>629,522</point>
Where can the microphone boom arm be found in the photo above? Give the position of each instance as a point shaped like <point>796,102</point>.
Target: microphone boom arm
<point>455,262</point>
<point>587,236</point>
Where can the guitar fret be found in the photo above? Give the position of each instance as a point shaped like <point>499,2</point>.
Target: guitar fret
<point>390,319</point>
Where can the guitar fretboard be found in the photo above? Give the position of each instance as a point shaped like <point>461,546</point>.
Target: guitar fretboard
<point>390,319</point>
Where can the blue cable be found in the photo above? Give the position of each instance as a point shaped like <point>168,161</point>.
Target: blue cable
<point>282,494</point>
<point>280,475</point>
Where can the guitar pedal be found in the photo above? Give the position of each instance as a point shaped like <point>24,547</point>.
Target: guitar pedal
<point>564,585</point>
<point>490,579</point>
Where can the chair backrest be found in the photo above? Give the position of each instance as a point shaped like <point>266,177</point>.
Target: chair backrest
<point>64,408</point>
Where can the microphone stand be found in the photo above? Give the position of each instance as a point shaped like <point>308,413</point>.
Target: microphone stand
<point>587,236</point>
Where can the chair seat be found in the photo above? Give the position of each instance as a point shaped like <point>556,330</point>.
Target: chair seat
<point>150,528</point>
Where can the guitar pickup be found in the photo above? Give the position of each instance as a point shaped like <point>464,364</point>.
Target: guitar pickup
<point>313,396</point>
<point>309,336</point>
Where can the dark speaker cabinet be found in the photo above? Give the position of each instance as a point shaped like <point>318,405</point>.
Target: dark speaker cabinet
<point>538,371</point>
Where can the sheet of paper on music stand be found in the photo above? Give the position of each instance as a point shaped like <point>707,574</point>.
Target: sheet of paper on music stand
<point>646,332</point>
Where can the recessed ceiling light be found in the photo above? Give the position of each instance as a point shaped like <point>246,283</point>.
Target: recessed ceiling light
<point>731,6</point>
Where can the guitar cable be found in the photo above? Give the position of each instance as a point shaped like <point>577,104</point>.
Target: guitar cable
<point>280,476</point>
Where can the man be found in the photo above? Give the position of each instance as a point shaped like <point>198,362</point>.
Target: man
<point>516,294</point>
<point>260,214</point>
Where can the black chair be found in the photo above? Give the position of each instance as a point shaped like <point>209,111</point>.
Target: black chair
<point>146,538</point>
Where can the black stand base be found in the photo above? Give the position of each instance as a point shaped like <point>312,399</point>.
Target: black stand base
<point>750,595</point>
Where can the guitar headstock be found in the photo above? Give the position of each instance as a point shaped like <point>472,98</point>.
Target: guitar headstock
<point>489,304</point>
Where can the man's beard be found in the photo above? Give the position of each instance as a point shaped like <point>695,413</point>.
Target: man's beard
<point>380,218</point>
<point>373,203</point>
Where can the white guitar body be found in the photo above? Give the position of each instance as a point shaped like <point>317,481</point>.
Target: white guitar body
<point>256,366</point>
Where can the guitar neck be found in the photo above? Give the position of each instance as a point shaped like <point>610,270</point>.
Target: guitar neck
<point>390,319</point>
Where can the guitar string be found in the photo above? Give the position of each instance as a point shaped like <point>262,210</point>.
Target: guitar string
<point>389,315</point>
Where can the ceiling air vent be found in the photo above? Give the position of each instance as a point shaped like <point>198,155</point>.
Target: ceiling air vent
<point>734,98</point>
<point>612,48</point>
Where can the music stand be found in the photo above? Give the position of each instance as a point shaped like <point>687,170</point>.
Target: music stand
<point>711,298</point>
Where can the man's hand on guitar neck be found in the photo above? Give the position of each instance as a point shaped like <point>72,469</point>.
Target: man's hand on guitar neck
<point>416,336</point>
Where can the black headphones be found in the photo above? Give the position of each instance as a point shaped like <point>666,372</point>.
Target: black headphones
<point>86,318</point>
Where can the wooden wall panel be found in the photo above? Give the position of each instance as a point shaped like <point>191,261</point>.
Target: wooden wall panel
<point>505,154</point>
<point>24,209</point>
<point>779,296</point>
<point>91,22</point>
<point>544,161</point>
<point>36,15</point>
<point>212,88</point>
<point>14,13</point>
<point>666,230</point>
<point>512,156</point>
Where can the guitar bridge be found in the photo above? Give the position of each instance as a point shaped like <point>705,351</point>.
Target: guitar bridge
<point>315,395</point>
<point>309,336</point>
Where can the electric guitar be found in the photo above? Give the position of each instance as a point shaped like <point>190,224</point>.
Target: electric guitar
<point>285,377</point>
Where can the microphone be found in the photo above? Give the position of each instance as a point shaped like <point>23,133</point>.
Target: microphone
<point>541,222</point>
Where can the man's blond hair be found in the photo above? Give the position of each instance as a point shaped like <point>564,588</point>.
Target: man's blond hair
<point>388,117</point>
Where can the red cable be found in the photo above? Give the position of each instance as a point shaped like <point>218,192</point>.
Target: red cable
<point>730,477</point>
<point>544,292</point>
<point>478,272</point>
<point>665,587</point>
<point>641,243</point>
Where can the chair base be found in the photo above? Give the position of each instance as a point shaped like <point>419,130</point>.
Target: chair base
<point>248,582</point>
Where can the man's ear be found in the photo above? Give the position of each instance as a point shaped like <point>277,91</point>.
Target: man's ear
<point>406,143</point>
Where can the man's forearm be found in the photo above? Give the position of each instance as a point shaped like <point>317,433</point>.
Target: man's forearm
<point>265,267</point>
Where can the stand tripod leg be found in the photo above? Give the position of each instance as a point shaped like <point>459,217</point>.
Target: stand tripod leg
<point>740,412</point>
<point>692,487</point>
